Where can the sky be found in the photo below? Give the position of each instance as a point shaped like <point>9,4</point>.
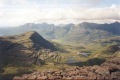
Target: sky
<point>19,12</point>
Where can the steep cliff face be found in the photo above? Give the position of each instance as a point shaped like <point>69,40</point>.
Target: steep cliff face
<point>23,49</point>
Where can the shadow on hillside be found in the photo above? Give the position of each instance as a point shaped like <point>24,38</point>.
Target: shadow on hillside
<point>10,76</point>
<point>7,57</point>
<point>1,71</point>
<point>39,42</point>
<point>90,62</point>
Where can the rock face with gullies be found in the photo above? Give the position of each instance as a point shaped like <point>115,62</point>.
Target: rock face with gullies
<point>23,48</point>
<point>109,70</point>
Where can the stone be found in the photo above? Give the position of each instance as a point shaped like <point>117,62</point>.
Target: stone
<point>41,77</point>
<point>32,77</point>
<point>115,75</point>
<point>102,71</point>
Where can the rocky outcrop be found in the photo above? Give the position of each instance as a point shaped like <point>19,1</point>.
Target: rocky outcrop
<point>109,70</point>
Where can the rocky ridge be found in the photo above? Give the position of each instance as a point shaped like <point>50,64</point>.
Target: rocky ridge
<point>109,70</point>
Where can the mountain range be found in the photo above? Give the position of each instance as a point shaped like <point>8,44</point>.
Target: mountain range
<point>84,32</point>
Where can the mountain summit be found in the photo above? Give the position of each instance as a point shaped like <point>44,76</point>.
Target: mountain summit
<point>37,40</point>
<point>23,49</point>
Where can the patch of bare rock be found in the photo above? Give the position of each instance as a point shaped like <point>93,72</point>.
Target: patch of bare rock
<point>109,70</point>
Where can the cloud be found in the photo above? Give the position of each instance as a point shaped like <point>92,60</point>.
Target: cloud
<point>93,1</point>
<point>23,11</point>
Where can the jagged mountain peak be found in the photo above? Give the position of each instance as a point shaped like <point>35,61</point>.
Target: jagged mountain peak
<point>29,34</point>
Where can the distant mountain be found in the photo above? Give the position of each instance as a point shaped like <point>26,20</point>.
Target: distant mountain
<point>84,32</point>
<point>23,49</point>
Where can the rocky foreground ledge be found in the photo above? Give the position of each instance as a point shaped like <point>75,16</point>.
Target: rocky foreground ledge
<point>109,70</point>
